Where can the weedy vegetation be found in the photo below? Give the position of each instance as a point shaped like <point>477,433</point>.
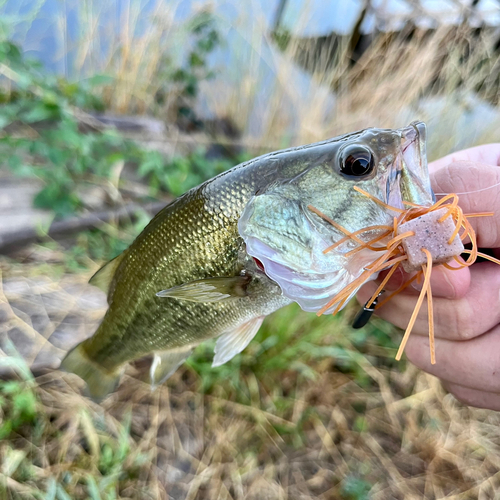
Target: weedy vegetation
<point>312,408</point>
<point>48,133</point>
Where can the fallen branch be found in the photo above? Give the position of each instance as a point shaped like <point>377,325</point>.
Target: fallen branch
<point>14,241</point>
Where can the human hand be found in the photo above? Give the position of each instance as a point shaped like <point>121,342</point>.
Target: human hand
<point>466,301</point>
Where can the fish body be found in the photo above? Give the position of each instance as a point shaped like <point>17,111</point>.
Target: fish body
<point>229,252</point>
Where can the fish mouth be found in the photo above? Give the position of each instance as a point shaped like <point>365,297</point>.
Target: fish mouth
<point>306,273</point>
<point>410,176</point>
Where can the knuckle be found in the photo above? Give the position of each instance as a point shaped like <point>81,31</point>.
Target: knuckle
<point>464,321</point>
<point>468,397</point>
<point>457,392</point>
<point>457,320</point>
<point>465,399</point>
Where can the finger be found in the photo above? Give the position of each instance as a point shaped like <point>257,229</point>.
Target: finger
<point>474,397</point>
<point>478,186</point>
<point>444,282</point>
<point>487,153</point>
<point>474,364</point>
<point>461,319</point>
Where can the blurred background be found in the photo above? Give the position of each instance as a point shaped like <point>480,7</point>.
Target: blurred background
<point>108,111</point>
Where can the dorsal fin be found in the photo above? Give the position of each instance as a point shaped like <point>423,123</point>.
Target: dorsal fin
<point>102,278</point>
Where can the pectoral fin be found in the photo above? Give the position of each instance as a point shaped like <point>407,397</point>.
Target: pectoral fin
<point>166,362</point>
<point>209,290</point>
<point>233,342</point>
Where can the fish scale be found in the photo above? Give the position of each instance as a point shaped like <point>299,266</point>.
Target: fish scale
<point>171,250</point>
<point>201,255</point>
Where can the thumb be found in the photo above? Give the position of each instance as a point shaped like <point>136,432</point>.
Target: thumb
<point>444,282</point>
<point>478,185</point>
<point>447,283</point>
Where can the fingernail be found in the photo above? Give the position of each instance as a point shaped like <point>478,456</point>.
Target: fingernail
<point>397,279</point>
<point>441,284</point>
<point>417,284</point>
<point>450,292</point>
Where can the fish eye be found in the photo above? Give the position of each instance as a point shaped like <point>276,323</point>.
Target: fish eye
<point>356,162</point>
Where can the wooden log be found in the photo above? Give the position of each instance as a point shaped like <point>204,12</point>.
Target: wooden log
<point>16,240</point>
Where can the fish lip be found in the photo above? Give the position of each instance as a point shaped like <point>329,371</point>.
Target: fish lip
<point>416,132</point>
<point>413,182</point>
<point>409,136</point>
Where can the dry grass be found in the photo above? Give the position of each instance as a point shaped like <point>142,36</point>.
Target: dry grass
<point>433,77</point>
<point>312,409</point>
<point>264,91</point>
<point>309,410</point>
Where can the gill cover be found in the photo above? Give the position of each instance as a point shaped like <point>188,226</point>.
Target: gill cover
<point>298,265</point>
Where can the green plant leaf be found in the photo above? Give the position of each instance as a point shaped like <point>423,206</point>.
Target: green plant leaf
<point>39,112</point>
<point>356,488</point>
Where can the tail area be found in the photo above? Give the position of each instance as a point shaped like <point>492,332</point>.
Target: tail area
<point>100,382</point>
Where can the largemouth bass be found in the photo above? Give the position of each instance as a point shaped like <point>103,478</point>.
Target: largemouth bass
<point>229,252</point>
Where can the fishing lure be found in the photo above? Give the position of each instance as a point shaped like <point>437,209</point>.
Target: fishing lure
<point>449,222</point>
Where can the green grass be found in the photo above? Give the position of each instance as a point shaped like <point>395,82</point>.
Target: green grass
<point>298,343</point>
<point>303,409</point>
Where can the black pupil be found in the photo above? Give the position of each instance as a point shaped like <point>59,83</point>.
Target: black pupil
<point>358,164</point>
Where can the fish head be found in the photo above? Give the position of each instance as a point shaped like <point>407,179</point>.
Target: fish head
<point>288,238</point>
<point>390,165</point>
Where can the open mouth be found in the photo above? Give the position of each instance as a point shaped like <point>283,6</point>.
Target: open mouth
<point>414,181</point>
<point>321,274</point>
